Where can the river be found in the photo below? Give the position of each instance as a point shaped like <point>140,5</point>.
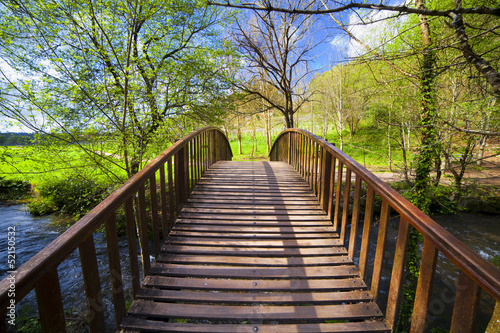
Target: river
<point>480,232</point>
<point>32,235</point>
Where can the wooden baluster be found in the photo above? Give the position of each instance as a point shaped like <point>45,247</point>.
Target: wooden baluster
<point>309,161</point>
<point>115,271</point>
<point>92,283</point>
<point>195,159</point>
<point>355,216</point>
<point>326,172</point>
<point>379,252</point>
<point>367,226</point>
<point>337,198</point>
<point>303,157</point>
<point>185,179</point>
<point>345,207</point>
<point>332,188</point>
<point>143,230</point>
<point>314,173</point>
<point>191,166</point>
<point>164,208</point>
<point>466,304</point>
<point>203,153</point>
<point>132,245</point>
<point>289,150</point>
<point>397,275</point>
<point>179,178</point>
<point>171,198</point>
<point>320,176</point>
<point>155,221</point>
<point>50,305</point>
<point>424,286</point>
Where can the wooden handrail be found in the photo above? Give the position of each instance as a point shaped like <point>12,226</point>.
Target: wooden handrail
<point>317,161</point>
<point>190,157</point>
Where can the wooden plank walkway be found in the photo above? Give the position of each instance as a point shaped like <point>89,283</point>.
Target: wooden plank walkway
<point>252,251</point>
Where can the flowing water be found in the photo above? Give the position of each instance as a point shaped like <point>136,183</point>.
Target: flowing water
<point>32,235</point>
<point>480,232</point>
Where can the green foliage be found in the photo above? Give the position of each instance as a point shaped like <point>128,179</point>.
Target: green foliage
<point>14,189</point>
<point>496,261</point>
<point>74,196</point>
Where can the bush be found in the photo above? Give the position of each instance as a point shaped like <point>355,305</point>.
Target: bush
<point>14,189</point>
<point>74,196</point>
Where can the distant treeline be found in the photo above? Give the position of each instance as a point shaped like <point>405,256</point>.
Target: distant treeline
<point>16,139</point>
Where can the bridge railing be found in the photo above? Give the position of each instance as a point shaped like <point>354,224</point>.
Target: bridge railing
<point>178,169</point>
<point>329,172</point>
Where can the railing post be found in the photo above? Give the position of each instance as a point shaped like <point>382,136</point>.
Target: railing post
<point>50,305</point>
<point>379,252</point>
<point>171,198</point>
<point>164,210</point>
<point>92,283</point>
<point>327,178</point>
<point>466,304</point>
<point>355,216</point>
<point>345,208</point>
<point>397,272</point>
<point>155,223</point>
<point>132,245</point>
<point>115,271</point>
<point>424,286</point>
<point>143,230</point>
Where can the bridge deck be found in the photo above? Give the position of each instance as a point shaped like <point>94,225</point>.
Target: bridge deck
<point>252,251</point>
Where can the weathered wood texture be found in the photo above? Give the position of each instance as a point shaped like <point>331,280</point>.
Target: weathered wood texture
<point>253,250</point>
<point>148,212</point>
<point>343,187</point>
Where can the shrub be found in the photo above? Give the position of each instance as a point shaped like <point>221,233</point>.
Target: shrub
<point>75,195</point>
<point>14,189</point>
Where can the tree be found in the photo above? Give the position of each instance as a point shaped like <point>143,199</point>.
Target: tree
<point>121,72</point>
<point>277,47</point>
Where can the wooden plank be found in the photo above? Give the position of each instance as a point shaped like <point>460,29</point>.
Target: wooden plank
<point>250,229</point>
<point>261,206</point>
<point>242,211</point>
<point>254,261</point>
<point>311,285</point>
<point>234,272</point>
<point>298,298</point>
<point>260,222</point>
<point>276,313</point>
<point>261,217</point>
<point>268,243</point>
<point>240,235</point>
<point>346,327</point>
<point>255,251</point>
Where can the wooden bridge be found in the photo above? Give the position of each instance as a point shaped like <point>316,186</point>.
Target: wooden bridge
<point>297,244</point>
